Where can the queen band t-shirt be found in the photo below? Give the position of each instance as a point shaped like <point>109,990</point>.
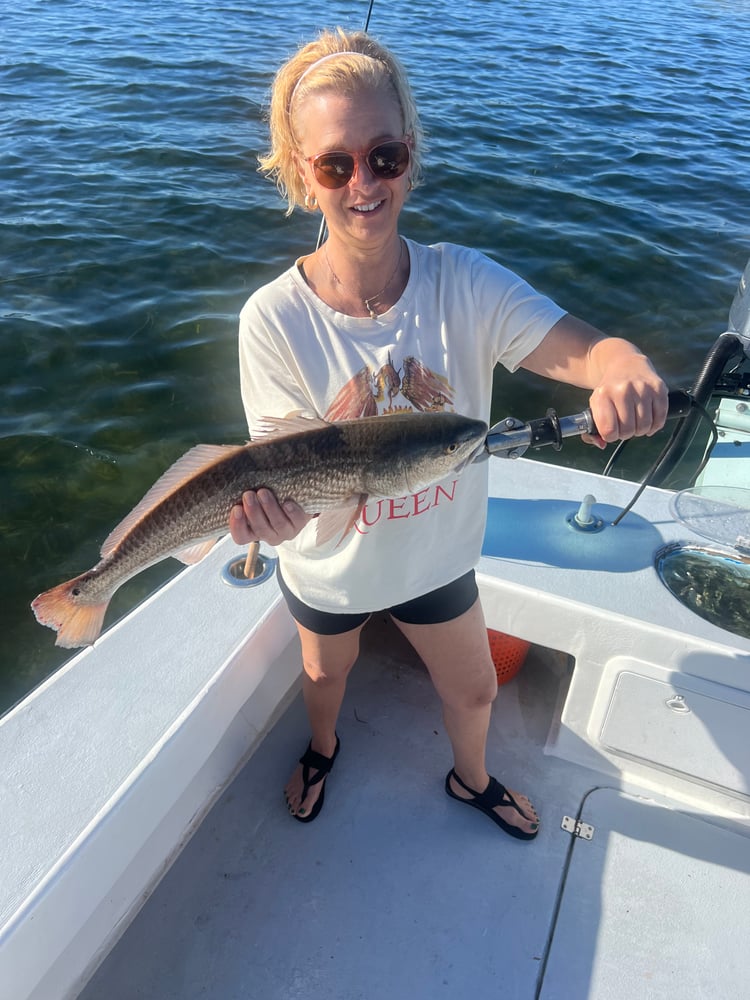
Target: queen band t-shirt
<point>460,314</point>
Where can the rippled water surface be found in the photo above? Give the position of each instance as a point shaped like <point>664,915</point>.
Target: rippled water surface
<point>600,151</point>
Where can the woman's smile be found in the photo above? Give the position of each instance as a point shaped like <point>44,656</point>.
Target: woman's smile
<point>367,208</point>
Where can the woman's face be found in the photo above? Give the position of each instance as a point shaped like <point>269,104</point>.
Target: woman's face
<point>365,211</point>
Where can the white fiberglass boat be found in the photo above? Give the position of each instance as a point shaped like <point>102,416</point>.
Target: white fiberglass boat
<point>146,851</point>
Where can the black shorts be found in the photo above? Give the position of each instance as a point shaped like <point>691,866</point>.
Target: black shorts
<point>441,605</point>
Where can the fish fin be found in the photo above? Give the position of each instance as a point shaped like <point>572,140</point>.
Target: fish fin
<point>340,520</point>
<point>190,464</point>
<point>292,423</point>
<point>75,624</point>
<point>194,553</point>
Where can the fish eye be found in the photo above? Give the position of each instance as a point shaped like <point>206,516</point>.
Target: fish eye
<point>451,447</point>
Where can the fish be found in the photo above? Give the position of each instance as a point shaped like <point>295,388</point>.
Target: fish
<point>330,468</point>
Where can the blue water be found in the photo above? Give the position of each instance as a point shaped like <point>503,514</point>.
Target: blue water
<point>599,150</point>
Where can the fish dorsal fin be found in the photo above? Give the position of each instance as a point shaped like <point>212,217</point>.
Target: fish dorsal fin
<point>192,462</point>
<point>292,423</point>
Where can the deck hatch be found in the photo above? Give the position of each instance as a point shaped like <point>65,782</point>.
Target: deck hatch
<point>655,906</point>
<point>699,734</point>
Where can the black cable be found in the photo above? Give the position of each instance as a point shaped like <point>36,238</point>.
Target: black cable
<point>704,415</point>
<point>710,445</point>
<point>619,448</point>
<point>665,451</point>
<point>725,348</point>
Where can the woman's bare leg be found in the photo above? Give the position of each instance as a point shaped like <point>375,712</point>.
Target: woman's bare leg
<point>327,661</point>
<point>457,655</point>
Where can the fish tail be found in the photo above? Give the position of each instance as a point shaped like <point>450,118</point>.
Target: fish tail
<point>76,623</point>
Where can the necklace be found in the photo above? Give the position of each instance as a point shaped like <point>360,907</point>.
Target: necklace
<point>367,303</point>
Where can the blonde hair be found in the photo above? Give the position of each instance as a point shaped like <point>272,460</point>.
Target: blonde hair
<point>362,63</point>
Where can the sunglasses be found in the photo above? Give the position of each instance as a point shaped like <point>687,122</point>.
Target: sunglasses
<point>388,160</point>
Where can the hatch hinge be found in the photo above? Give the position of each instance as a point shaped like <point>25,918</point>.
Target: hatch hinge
<point>585,831</point>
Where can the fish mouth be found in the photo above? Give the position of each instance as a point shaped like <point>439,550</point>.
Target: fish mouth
<point>481,454</point>
<point>477,443</point>
<point>478,454</point>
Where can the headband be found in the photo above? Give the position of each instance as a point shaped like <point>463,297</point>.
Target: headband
<point>331,55</point>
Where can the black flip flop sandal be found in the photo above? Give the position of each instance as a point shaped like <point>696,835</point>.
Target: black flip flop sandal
<point>494,795</point>
<point>312,760</point>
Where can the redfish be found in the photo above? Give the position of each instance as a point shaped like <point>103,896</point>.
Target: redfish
<point>330,469</point>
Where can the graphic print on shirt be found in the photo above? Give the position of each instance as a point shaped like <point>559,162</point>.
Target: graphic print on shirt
<point>370,393</point>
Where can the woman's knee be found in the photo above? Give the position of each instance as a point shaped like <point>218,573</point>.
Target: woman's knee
<point>471,689</point>
<point>322,672</point>
<point>328,659</point>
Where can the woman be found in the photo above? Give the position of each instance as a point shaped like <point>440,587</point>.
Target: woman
<point>370,323</point>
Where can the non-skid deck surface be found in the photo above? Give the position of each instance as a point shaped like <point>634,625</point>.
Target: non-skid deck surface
<point>656,906</point>
<point>395,891</point>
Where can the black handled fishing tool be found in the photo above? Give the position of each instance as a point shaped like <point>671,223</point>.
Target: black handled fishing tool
<point>510,438</point>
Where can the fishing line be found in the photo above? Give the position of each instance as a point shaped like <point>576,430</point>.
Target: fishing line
<point>369,12</point>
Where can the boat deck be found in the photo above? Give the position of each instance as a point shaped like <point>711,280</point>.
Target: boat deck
<point>638,728</point>
<point>396,891</point>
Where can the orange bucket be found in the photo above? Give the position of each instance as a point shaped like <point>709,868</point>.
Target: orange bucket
<point>508,654</point>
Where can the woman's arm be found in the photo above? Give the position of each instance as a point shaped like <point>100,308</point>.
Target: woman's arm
<point>629,399</point>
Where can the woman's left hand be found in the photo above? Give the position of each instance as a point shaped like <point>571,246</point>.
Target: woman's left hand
<point>629,401</point>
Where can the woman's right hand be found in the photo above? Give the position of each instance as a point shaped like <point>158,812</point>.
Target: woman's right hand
<point>261,518</point>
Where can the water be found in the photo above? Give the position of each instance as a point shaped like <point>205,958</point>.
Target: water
<point>598,151</point>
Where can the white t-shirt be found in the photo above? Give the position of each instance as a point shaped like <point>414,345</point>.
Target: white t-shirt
<point>460,314</point>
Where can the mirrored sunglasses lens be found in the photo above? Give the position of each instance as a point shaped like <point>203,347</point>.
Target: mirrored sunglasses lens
<point>389,160</point>
<point>334,170</point>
